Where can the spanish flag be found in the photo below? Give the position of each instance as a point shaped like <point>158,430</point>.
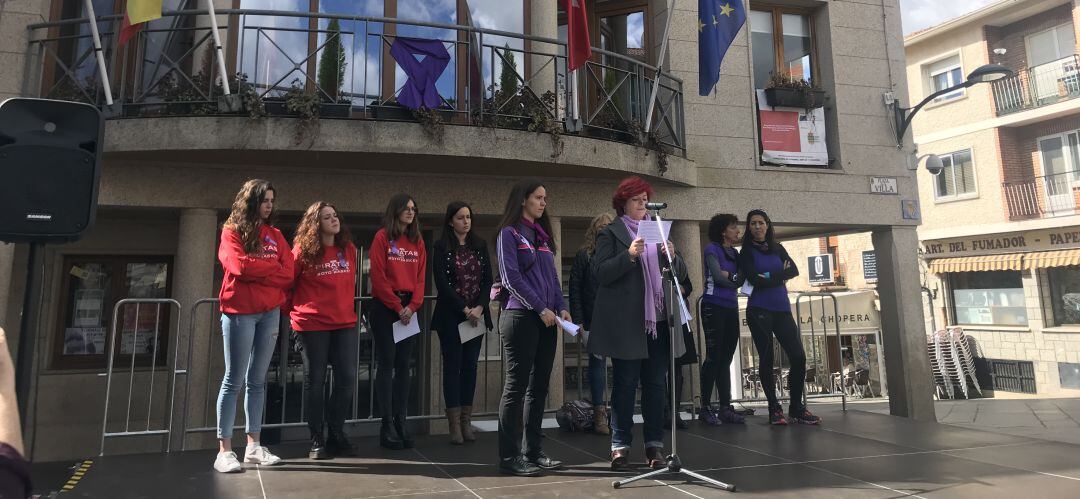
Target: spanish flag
<point>137,14</point>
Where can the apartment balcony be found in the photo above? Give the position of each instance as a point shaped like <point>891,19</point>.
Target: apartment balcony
<point>1039,86</point>
<point>282,65</point>
<point>1047,196</point>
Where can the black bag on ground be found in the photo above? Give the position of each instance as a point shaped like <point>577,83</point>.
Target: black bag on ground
<point>575,415</point>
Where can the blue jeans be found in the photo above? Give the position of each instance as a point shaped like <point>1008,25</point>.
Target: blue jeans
<point>651,373</point>
<point>597,378</point>
<point>249,345</point>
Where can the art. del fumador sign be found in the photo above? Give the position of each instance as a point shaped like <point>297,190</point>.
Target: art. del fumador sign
<point>1013,242</point>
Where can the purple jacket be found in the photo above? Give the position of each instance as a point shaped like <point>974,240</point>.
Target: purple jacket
<point>528,271</point>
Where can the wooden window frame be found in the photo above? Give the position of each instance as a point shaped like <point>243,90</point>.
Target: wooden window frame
<point>777,12</point>
<point>60,361</point>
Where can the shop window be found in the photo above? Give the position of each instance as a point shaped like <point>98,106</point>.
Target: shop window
<point>988,298</point>
<point>92,287</point>
<point>1065,294</point>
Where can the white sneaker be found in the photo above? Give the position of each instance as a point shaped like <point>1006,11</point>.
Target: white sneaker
<point>260,455</point>
<point>226,463</point>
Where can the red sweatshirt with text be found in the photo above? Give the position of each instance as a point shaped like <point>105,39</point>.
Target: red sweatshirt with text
<point>397,266</point>
<point>322,296</point>
<point>254,282</point>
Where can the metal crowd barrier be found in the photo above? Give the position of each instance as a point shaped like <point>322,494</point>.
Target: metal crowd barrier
<point>149,430</point>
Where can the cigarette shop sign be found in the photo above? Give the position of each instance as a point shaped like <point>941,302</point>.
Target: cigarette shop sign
<point>1015,242</point>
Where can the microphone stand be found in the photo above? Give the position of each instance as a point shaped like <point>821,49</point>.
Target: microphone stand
<point>672,292</point>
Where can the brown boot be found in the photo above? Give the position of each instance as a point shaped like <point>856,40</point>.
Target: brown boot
<point>466,424</point>
<point>453,417</point>
<point>600,420</point>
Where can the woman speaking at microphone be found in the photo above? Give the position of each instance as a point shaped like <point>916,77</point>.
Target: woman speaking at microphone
<point>629,323</point>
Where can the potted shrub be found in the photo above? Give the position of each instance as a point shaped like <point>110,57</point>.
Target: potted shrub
<point>784,90</point>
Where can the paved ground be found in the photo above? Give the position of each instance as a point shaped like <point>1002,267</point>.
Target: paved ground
<point>858,453</point>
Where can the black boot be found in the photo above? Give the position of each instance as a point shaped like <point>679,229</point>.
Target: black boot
<point>337,443</point>
<point>318,446</point>
<point>402,429</point>
<point>388,436</point>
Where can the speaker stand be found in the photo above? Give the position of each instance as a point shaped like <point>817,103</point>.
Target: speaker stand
<point>24,366</point>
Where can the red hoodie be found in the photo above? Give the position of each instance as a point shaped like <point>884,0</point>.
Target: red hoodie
<point>255,282</point>
<point>397,266</point>
<point>322,297</point>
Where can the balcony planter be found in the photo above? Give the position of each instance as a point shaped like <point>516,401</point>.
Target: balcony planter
<point>790,97</point>
<point>335,110</point>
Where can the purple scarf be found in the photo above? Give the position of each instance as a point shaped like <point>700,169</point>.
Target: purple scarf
<point>542,237</point>
<point>650,266</point>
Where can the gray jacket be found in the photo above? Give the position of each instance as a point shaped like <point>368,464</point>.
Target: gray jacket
<point>618,321</point>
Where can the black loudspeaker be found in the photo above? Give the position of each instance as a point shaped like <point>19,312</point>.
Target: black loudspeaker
<point>50,155</point>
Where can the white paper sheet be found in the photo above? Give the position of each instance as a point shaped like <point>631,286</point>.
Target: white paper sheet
<point>650,231</point>
<point>467,331</point>
<point>403,331</point>
<point>568,326</point>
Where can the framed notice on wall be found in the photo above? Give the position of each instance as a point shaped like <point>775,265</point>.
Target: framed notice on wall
<point>790,135</point>
<point>820,269</point>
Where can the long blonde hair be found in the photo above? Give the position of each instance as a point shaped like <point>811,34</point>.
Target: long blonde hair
<point>598,223</point>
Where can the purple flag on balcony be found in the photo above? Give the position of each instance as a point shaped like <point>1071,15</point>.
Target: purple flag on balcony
<point>419,90</point>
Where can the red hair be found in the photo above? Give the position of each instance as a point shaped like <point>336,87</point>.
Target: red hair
<point>628,188</point>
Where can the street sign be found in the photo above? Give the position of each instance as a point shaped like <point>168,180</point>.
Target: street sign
<point>820,269</point>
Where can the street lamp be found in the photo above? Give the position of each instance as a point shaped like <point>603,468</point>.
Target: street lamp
<point>982,74</point>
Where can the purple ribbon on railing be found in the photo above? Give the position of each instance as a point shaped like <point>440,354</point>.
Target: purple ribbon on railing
<point>419,90</point>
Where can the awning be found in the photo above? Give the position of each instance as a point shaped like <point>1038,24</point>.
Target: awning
<point>1060,258</point>
<point>857,313</point>
<point>1011,261</point>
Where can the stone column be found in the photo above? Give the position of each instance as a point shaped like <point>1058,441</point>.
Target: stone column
<point>906,362</point>
<point>543,21</point>
<point>193,279</point>
<point>555,389</point>
<point>686,235</point>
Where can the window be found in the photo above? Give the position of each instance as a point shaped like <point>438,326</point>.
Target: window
<point>988,298</point>
<point>1050,45</point>
<point>957,179</point>
<point>93,285</point>
<point>783,42</point>
<point>944,74</point>
<point>1065,294</point>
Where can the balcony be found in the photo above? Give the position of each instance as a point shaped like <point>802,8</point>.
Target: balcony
<point>276,59</point>
<point>1038,86</point>
<point>1047,196</point>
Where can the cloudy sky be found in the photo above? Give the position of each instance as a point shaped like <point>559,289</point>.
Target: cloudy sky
<point>919,14</point>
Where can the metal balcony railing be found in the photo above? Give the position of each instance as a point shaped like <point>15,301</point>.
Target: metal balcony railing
<point>1046,196</point>
<point>494,78</point>
<point>1038,86</point>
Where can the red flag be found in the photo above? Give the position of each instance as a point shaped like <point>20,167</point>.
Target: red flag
<point>128,31</point>
<point>578,47</point>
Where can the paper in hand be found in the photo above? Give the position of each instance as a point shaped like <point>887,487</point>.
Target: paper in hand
<point>403,331</point>
<point>467,331</point>
<point>747,288</point>
<point>568,326</point>
<point>686,317</point>
<point>650,231</point>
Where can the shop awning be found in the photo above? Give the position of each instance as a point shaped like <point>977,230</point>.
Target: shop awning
<point>985,263</point>
<point>1060,258</point>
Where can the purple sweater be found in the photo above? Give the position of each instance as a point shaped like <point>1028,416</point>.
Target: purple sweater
<point>717,291</point>
<point>528,271</point>
<point>767,274</point>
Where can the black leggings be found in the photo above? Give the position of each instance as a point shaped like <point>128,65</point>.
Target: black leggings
<point>721,327</point>
<point>459,361</point>
<point>338,348</point>
<point>763,325</point>
<point>392,378</point>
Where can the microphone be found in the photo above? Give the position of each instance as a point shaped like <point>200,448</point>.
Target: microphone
<point>655,206</point>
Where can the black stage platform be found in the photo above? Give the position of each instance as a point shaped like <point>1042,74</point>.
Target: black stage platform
<point>853,454</point>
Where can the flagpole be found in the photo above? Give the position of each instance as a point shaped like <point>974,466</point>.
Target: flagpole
<point>217,47</point>
<point>97,52</point>
<point>659,67</point>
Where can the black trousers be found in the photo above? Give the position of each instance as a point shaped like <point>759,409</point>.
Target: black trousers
<point>764,324</point>
<point>721,327</point>
<point>338,349</point>
<point>392,377</point>
<point>528,354</point>
<point>459,361</point>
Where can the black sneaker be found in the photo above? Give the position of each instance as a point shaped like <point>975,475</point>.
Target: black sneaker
<point>776,417</point>
<point>318,448</point>
<point>388,437</point>
<point>727,415</point>
<point>338,444</point>
<point>518,466</point>
<point>402,427</point>
<point>804,416</point>
<point>544,462</point>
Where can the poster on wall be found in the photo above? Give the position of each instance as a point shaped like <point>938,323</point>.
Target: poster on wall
<point>84,340</point>
<point>792,136</point>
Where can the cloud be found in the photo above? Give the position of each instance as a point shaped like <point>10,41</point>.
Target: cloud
<point>920,14</point>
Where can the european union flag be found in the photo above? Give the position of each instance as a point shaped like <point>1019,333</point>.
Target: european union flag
<point>718,23</point>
